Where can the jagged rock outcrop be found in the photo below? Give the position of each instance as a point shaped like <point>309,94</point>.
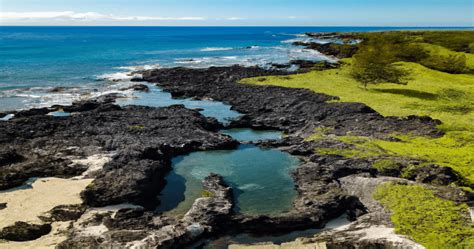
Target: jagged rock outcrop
<point>143,140</point>
<point>133,227</point>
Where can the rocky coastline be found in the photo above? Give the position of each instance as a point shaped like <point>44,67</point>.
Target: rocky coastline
<point>126,153</point>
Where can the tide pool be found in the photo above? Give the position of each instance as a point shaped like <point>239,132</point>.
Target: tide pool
<point>260,178</point>
<point>156,97</point>
<point>251,135</point>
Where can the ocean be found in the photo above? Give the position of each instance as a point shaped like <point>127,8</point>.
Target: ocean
<point>90,61</point>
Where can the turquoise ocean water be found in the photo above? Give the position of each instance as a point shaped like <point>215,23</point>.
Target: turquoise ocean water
<point>85,60</point>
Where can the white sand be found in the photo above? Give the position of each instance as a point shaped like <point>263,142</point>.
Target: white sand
<point>27,204</point>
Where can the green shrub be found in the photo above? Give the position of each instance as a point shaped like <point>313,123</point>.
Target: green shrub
<point>207,194</point>
<point>374,65</point>
<point>411,52</point>
<point>459,41</point>
<point>450,64</point>
<point>429,220</point>
<point>386,164</point>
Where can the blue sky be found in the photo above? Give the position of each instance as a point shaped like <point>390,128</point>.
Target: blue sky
<point>239,12</point>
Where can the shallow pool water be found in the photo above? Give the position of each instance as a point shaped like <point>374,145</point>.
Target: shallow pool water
<point>7,117</point>
<point>59,114</point>
<point>250,135</point>
<point>260,179</point>
<point>156,97</point>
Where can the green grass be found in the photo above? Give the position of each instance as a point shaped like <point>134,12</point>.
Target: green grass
<point>448,97</point>
<point>431,221</point>
<point>386,164</point>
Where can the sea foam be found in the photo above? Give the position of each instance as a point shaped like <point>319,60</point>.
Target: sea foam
<point>212,49</point>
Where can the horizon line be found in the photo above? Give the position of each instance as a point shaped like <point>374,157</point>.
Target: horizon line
<point>237,26</point>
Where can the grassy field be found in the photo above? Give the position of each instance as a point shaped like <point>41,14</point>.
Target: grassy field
<point>448,97</point>
<point>428,92</point>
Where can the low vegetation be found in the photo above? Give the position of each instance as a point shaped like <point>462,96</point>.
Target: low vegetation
<point>207,194</point>
<point>430,220</point>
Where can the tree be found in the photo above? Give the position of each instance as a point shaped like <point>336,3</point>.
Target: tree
<point>373,64</point>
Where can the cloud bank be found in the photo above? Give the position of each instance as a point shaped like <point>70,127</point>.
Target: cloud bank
<point>83,17</point>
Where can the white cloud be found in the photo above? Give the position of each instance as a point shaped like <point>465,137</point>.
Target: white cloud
<point>83,16</point>
<point>234,18</point>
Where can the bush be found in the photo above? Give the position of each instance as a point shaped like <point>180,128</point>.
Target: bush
<point>459,41</point>
<point>373,64</point>
<point>450,63</point>
<point>207,194</point>
<point>411,52</point>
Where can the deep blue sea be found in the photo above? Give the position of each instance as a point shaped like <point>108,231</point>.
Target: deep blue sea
<point>88,61</point>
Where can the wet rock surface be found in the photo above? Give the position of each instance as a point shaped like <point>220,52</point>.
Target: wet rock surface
<point>138,87</point>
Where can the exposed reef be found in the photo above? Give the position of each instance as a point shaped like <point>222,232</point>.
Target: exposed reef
<point>143,140</point>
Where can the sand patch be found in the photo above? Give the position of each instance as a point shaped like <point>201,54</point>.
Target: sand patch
<point>46,193</point>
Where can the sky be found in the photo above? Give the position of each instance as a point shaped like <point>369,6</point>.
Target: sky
<point>454,13</point>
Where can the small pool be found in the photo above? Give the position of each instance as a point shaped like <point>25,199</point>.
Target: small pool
<point>260,179</point>
<point>59,114</point>
<point>156,97</point>
<point>7,117</point>
<point>250,135</point>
